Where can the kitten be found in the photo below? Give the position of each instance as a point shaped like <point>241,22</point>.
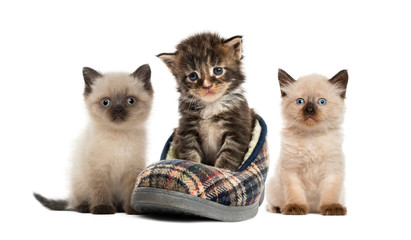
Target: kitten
<point>215,123</point>
<point>111,151</point>
<point>310,172</point>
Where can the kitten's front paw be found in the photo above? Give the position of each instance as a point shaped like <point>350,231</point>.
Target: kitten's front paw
<point>333,209</point>
<point>103,209</point>
<point>225,166</point>
<point>294,209</point>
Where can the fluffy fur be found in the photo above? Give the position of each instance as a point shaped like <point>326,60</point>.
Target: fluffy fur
<point>111,151</point>
<point>310,172</point>
<point>215,120</point>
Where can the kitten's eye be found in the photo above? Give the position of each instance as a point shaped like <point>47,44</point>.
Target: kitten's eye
<point>300,101</point>
<point>131,101</point>
<point>218,71</point>
<point>193,76</point>
<point>322,101</point>
<point>106,102</point>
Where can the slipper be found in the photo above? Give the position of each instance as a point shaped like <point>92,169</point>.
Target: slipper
<point>175,186</point>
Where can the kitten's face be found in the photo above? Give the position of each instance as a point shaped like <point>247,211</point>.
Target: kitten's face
<point>118,99</point>
<point>206,66</point>
<point>313,102</point>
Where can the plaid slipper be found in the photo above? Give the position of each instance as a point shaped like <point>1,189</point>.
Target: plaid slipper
<point>184,187</point>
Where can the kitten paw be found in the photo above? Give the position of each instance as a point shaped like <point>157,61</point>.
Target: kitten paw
<point>273,209</point>
<point>333,209</point>
<point>103,209</point>
<point>82,208</point>
<point>129,210</point>
<point>226,164</point>
<point>294,209</point>
<point>119,208</point>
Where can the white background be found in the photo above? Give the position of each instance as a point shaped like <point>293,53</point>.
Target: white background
<point>45,44</point>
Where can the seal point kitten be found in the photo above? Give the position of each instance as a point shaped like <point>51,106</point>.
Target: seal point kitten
<point>111,152</point>
<point>216,122</point>
<point>310,171</point>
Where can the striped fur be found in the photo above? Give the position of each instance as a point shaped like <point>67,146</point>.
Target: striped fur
<point>215,120</point>
<point>240,188</point>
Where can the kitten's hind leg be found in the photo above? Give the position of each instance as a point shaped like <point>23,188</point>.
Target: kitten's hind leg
<point>78,199</point>
<point>275,195</point>
<point>103,209</point>
<point>82,208</point>
<point>273,209</point>
<point>119,207</point>
<point>128,182</point>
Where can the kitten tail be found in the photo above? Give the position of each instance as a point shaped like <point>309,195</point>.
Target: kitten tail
<point>58,205</point>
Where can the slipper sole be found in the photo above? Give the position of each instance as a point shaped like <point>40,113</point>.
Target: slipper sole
<point>155,200</point>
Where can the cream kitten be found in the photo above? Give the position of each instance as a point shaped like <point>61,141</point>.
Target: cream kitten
<point>111,152</point>
<point>310,173</point>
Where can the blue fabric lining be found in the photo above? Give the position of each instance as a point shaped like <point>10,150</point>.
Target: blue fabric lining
<point>258,147</point>
<point>166,147</point>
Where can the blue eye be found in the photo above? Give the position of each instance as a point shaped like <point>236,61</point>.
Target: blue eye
<point>300,101</point>
<point>322,101</point>
<point>218,71</point>
<point>130,101</point>
<point>193,76</point>
<point>106,102</point>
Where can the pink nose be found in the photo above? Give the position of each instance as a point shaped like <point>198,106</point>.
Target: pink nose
<point>207,84</point>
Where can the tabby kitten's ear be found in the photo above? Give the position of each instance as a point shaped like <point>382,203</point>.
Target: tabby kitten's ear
<point>169,59</point>
<point>340,80</point>
<point>235,43</point>
<point>143,73</point>
<point>89,76</point>
<point>285,79</point>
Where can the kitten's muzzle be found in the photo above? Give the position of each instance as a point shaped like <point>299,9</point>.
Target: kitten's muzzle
<point>118,109</point>
<point>207,84</point>
<point>118,112</point>
<point>310,109</point>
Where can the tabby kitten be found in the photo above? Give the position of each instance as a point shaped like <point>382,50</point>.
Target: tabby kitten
<point>111,152</point>
<point>216,122</point>
<point>310,172</point>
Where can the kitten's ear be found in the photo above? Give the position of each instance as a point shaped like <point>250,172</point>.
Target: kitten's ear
<point>285,79</point>
<point>143,73</point>
<point>169,59</point>
<point>89,76</point>
<point>340,80</point>
<point>235,43</point>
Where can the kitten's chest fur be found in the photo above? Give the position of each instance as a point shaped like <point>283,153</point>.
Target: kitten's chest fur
<point>313,154</point>
<point>113,152</point>
<point>211,130</point>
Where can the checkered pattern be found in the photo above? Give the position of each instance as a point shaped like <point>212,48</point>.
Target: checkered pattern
<point>240,188</point>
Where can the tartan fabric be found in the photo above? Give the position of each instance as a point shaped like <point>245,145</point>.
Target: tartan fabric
<point>240,188</point>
